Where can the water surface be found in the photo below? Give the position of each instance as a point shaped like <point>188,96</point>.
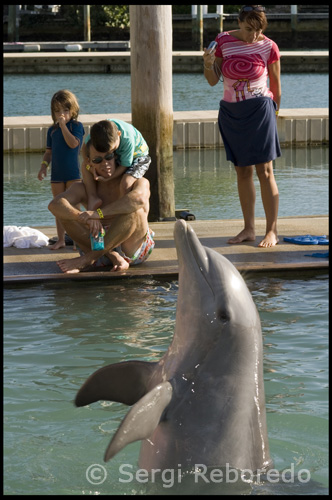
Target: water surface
<point>54,337</point>
<point>30,95</point>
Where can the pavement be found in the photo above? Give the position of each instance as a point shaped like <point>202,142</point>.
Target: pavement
<point>34,265</point>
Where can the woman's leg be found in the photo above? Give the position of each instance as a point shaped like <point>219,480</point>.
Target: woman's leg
<point>247,195</point>
<point>270,199</point>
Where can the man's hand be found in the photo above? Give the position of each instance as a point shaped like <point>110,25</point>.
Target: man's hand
<point>91,219</point>
<point>85,216</point>
<point>95,227</point>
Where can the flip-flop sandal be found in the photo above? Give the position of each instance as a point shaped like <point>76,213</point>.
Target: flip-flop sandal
<point>307,240</point>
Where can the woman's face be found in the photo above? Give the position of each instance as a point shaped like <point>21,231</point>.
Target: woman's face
<point>248,33</point>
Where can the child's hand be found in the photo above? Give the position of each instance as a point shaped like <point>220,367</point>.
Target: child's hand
<point>62,120</point>
<point>42,173</point>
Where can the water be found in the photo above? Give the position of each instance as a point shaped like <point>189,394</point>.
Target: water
<point>30,95</point>
<point>55,337</point>
<point>205,183</point>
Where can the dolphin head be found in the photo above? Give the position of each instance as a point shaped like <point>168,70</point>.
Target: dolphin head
<point>213,298</point>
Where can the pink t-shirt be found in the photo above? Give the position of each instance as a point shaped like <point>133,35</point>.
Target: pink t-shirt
<point>244,66</point>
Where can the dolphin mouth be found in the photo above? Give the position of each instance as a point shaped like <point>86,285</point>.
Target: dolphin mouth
<point>189,247</point>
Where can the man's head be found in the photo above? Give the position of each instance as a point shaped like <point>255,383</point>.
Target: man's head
<point>104,162</point>
<point>105,136</point>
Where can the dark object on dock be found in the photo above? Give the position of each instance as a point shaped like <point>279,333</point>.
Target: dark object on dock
<point>186,215</point>
<point>68,240</point>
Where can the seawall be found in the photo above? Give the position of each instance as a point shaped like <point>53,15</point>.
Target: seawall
<point>192,129</point>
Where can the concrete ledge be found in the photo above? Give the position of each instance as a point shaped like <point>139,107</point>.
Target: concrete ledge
<point>119,62</point>
<point>192,129</point>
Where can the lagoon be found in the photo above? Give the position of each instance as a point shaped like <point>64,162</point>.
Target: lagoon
<point>30,95</point>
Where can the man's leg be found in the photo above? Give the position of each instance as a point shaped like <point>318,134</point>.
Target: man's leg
<point>127,230</point>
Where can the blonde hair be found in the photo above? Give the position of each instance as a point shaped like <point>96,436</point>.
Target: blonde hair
<point>256,19</point>
<point>66,99</point>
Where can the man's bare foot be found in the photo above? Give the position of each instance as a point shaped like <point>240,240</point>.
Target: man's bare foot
<point>270,240</point>
<point>119,263</point>
<point>73,265</point>
<point>244,235</point>
<point>57,245</point>
<point>94,202</point>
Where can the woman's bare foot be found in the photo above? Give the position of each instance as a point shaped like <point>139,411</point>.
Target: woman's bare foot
<point>119,263</point>
<point>57,245</point>
<point>94,202</point>
<point>270,240</point>
<point>244,235</point>
<point>74,265</point>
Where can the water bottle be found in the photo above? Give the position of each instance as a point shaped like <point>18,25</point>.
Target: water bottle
<point>98,242</point>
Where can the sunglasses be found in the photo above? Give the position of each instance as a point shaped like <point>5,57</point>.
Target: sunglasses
<point>249,8</point>
<point>99,159</point>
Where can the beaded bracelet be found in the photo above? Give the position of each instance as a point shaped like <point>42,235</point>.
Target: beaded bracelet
<point>277,113</point>
<point>44,162</point>
<point>100,213</point>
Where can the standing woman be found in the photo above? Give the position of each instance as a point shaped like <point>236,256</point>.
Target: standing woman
<point>246,58</point>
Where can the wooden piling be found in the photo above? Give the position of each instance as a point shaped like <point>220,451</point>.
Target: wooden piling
<point>151,98</point>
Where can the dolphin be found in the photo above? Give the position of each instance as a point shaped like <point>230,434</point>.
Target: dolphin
<point>203,402</point>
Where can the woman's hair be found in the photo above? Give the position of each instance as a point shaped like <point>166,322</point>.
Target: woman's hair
<point>103,135</point>
<point>66,99</point>
<point>255,18</point>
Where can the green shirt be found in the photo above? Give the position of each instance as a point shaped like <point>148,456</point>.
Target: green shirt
<point>132,143</point>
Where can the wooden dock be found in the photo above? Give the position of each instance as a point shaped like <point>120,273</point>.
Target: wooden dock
<point>36,265</point>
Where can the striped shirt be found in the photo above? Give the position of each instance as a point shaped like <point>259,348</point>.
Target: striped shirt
<point>244,66</point>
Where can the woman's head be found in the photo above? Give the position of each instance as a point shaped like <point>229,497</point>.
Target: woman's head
<point>64,100</point>
<point>104,136</point>
<point>254,16</point>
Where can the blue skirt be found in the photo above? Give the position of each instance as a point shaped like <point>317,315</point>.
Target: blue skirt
<point>249,131</point>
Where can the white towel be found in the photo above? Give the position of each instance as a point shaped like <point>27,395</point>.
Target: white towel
<point>23,237</point>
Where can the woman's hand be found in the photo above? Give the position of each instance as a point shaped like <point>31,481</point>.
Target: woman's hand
<point>209,58</point>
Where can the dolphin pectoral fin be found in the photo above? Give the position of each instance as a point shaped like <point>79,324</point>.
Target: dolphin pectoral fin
<point>142,419</point>
<point>122,382</point>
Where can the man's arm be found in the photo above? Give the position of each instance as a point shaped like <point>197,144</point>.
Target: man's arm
<point>63,205</point>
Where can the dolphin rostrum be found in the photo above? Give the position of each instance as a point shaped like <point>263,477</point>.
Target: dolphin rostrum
<point>203,402</point>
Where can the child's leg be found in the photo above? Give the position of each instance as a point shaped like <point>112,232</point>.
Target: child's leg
<point>57,188</point>
<point>68,184</point>
<point>94,201</point>
<point>126,182</point>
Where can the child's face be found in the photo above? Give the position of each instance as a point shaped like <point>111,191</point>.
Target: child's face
<point>62,112</point>
<point>104,163</point>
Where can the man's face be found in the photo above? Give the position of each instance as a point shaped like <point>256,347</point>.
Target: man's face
<point>104,163</point>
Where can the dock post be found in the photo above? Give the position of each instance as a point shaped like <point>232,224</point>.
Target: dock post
<point>152,100</point>
<point>87,25</point>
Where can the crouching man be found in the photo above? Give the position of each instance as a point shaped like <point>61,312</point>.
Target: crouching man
<point>128,239</point>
